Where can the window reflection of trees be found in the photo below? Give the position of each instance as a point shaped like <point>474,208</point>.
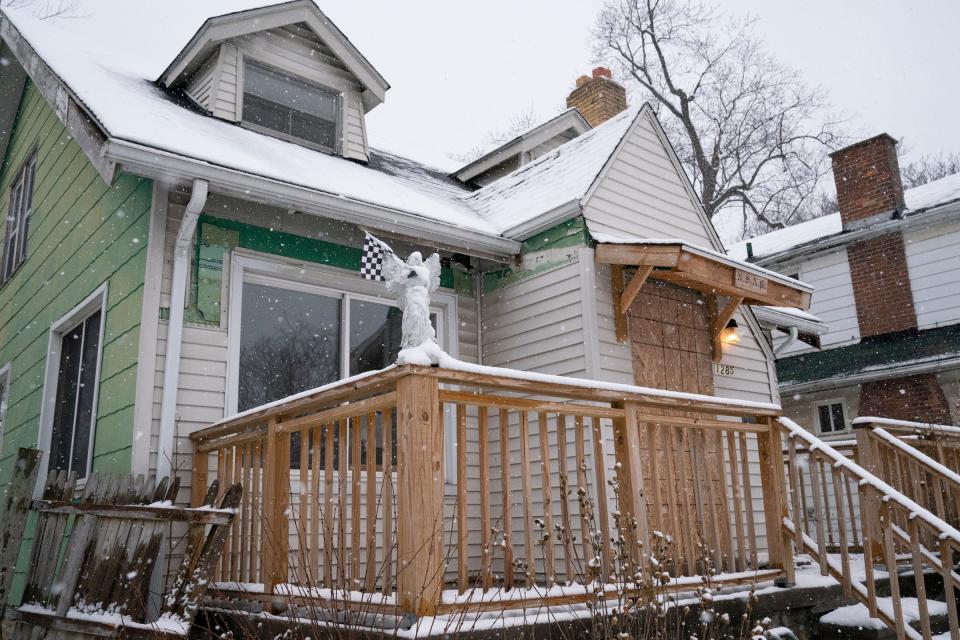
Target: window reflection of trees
<point>288,362</point>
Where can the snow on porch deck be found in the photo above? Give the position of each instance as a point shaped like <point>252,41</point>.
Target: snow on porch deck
<point>681,592</point>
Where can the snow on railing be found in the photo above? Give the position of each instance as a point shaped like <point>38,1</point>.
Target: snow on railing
<point>891,524</point>
<point>906,424</point>
<point>865,477</point>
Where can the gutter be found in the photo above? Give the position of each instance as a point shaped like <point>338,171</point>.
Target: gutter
<point>151,162</point>
<point>934,366</point>
<point>178,294</point>
<point>794,334</point>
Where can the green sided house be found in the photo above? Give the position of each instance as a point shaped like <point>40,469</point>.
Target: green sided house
<point>184,211</point>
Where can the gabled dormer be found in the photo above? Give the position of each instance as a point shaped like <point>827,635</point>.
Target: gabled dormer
<point>284,70</point>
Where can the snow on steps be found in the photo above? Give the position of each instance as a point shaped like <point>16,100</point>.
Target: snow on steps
<point>854,621</point>
<point>946,532</point>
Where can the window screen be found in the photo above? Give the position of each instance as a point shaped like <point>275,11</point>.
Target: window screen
<point>291,106</point>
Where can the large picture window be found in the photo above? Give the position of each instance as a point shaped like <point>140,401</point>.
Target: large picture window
<point>17,222</point>
<point>293,328</point>
<point>290,106</point>
<point>73,418</point>
<point>294,338</point>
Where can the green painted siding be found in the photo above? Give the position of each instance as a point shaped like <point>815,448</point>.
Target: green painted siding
<point>216,237</point>
<point>82,233</point>
<point>570,234</point>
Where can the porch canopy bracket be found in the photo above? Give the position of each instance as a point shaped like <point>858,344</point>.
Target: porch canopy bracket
<point>704,270</point>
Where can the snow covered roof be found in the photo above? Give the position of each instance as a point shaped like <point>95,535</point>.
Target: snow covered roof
<point>571,119</point>
<point>554,179</point>
<point>110,63</point>
<point>918,200</point>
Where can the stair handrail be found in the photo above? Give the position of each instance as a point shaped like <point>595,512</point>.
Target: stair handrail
<point>945,472</point>
<point>883,510</point>
<point>889,493</point>
<point>916,427</point>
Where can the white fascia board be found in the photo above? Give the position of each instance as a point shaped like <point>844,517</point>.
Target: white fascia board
<point>544,221</point>
<point>155,163</point>
<point>894,371</point>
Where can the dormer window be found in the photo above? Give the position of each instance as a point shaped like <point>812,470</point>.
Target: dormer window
<point>290,106</point>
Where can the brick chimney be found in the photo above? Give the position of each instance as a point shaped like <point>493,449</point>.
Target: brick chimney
<point>869,192</point>
<point>598,98</point>
<point>867,176</point>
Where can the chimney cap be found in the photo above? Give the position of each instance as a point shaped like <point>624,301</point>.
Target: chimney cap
<point>602,72</point>
<point>877,138</point>
<point>582,80</point>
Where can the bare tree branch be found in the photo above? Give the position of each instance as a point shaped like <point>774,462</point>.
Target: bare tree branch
<point>748,130</point>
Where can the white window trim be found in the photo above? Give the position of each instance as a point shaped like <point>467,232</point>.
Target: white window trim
<point>5,378</point>
<point>319,279</point>
<point>826,403</point>
<point>95,301</point>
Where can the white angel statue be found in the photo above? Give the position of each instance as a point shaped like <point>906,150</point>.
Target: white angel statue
<point>413,281</point>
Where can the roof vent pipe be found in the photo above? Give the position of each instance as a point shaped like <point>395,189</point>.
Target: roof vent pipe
<point>178,295</point>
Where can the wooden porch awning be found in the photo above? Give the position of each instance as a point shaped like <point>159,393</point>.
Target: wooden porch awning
<point>704,270</point>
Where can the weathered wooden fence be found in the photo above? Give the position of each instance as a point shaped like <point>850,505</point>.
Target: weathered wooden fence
<point>95,551</point>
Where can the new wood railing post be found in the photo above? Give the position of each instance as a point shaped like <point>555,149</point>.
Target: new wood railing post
<point>276,497</point>
<point>200,476</point>
<point>419,494</point>
<point>867,456</point>
<point>633,504</point>
<point>779,543</point>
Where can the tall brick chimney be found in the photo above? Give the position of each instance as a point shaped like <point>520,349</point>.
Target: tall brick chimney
<point>869,192</point>
<point>867,176</point>
<point>598,98</point>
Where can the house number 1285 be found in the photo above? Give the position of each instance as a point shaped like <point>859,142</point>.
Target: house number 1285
<point>724,369</point>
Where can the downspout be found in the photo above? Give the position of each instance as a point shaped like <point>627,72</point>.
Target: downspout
<point>178,294</point>
<point>794,334</point>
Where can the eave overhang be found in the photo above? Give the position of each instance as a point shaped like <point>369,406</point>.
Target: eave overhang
<point>173,168</point>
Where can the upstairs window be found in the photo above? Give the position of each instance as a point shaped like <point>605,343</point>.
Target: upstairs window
<point>830,417</point>
<point>290,106</point>
<point>18,219</point>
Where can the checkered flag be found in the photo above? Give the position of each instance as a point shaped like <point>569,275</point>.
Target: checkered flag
<point>371,263</point>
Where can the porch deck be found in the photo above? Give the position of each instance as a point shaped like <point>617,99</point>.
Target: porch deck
<point>353,501</point>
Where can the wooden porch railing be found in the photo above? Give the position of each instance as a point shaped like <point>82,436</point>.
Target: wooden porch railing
<point>348,489</point>
<point>826,488</point>
<point>920,461</point>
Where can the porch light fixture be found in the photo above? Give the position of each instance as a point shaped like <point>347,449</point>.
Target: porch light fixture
<point>729,334</point>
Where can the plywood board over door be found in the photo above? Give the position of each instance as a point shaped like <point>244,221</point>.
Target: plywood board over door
<point>671,344</point>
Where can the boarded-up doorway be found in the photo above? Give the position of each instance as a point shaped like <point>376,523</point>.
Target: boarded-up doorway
<point>671,345</point>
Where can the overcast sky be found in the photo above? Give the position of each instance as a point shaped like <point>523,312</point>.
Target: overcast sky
<point>459,70</point>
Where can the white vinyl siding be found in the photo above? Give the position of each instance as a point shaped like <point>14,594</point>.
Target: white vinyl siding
<point>933,261</point>
<point>832,299</point>
<point>642,195</point>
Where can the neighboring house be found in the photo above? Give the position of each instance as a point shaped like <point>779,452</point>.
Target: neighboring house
<point>186,211</point>
<point>886,269</point>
